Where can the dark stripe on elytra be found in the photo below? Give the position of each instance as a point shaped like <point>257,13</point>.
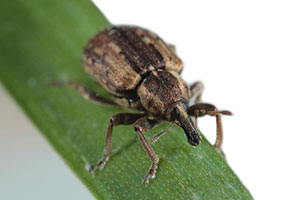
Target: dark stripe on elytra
<point>126,50</point>
<point>149,51</point>
<point>132,51</point>
<point>136,52</point>
<point>130,55</point>
<point>142,48</point>
<point>161,64</point>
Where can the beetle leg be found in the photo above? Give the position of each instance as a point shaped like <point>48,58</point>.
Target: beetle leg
<point>202,109</point>
<point>141,125</point>
<point>157,136</point>
<point>85,92</point>
<point>196,91</point>
<point>119,119</point>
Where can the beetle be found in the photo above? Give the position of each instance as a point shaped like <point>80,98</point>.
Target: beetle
<point>142,73</point>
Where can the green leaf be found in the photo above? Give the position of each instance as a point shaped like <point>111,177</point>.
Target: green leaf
<point>42,41</point>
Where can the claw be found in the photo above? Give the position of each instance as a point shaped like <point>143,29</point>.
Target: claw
<point>100,164</point>
<point>151,173</point>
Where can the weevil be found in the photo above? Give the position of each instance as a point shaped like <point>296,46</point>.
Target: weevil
<point>142,73</point>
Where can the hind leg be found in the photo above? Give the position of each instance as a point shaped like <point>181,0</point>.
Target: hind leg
<point>196,91</point>
<point>84,91</point>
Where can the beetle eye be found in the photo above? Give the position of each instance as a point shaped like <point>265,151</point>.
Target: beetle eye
<point>175,114</point>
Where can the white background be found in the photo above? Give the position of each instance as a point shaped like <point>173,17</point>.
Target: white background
<point>247,53</point>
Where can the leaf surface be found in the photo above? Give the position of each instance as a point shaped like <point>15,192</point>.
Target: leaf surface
<point>42,41</point>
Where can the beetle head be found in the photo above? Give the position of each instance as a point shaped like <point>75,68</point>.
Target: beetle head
<point>179,115</point>
<point>164,95</point>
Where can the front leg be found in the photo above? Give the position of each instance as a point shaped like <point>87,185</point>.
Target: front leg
<point>119,119</point>
<point>202,109</point>
<point>141,125</point>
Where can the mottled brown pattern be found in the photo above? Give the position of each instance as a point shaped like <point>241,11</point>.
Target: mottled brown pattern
<point>141,72</point>
<point>118,58</point>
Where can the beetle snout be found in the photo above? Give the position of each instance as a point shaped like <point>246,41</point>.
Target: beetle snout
<point>194,139</point>
<point>191,133</point>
